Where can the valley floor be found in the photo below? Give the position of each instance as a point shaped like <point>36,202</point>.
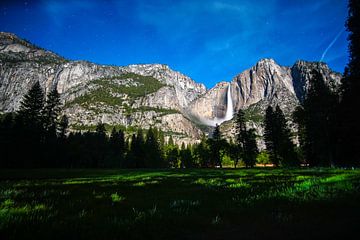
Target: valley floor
<point>179,204</point>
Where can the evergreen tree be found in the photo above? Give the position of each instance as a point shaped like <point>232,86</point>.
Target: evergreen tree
<point>271,136</point>
<point>186,157</point>
<point>216,144</point>
<point>349,127</point>
<point>31,107</point>
<point>286,146</point>
<point>99,145</point>
<point>278,138</point>
<point>250,149</point>
<point>246,140</point>
<point>51,112</point>
<point>137,150</point>
<point>202,153</point>
<point>153,150</point>
<point>234,152</point>
<point>172,155</point>
<point>320,132</point>
<point>171,141</point>
<point>29,128</point>
<point>63,126</point>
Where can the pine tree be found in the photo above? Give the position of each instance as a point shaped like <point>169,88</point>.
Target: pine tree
<point>51,112</point>
<point>171,141</point>
<point>319,110</point>
<point>153,150</point>
<point>63,126</point>
<point>271,136</point>
<point>246,140</point>
<point>216,146</point>
<point>250,149</point>
<point>172,155</point>
<point>186,157</point>
<point>202,153</point>
<point>137,150</point>
<point>31,107</point>
<point>29,128</point>
<point>278,138</point>
<point>286,146</point>
<point>99,145</point>
<point>349,127</point>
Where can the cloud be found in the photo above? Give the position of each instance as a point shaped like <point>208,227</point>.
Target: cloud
<point>331,44</point>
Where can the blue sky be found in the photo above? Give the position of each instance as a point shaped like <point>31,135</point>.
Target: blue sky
<point>208,40</point>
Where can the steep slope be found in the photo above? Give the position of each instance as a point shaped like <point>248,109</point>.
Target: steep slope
<point>136,95</point>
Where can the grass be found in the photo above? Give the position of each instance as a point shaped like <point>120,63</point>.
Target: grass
<point>179,204</point>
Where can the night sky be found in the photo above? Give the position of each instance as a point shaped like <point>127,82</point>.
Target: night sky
<point>208,40</point>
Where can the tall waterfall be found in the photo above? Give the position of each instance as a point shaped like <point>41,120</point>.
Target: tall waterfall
<point>229,105</point>
<point>228,114</point>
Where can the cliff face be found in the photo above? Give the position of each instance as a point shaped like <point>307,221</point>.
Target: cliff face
<point>265,83</point>
<point>147,95</point>
<point>135,95</point>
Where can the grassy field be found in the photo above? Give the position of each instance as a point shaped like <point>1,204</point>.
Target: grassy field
<point>179,204</point>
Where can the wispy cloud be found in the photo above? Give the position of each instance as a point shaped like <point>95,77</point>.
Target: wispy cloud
<point>331,44</point>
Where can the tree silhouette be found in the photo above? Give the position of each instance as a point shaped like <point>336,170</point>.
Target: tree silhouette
<point>349,127</point>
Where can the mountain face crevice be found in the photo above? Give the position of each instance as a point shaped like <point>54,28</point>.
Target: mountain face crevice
<point>144,95</point>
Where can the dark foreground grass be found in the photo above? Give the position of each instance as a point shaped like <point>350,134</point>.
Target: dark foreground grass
<point>180,204</point>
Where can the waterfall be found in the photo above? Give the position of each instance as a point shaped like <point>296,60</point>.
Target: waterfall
<point>229,105</point>
<point>228,114</point>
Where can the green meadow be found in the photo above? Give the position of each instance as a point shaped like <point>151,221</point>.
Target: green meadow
<point>179,204</point>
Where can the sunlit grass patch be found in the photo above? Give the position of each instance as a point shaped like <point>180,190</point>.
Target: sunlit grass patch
<point>210,182</point>
<point>11,212</point>
<point>115,197</point>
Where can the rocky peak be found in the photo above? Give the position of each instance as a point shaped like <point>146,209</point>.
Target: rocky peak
<point>301,73</point>
<point>14,49</point>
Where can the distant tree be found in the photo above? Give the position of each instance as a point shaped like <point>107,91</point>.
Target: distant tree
<point>250,149</point>
<point>217,145</point>
<point>349,127</point>
<point>153,157</point>
<point>235,153</point>
<point>202,153</point>
<point>171,141</point>
<point>246,140</point>
<point>278,138</point>
<point>115,152</point>
<point>99,145</point>
<point>186,157</point>
<point>137,150</point>
<point>31,107</point>
<point>63,126</point>
<point>51,112</point>
<point>271,136</point>
<point>299,119</point>
<point>172,155</point>
<point>263,158</point>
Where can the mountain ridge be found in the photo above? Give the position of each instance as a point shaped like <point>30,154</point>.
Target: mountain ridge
<point>144,95</point>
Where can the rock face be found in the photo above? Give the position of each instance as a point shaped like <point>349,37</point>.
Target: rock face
<point>265,83</point>
<point>150,94</point>
<point>136,95</point>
